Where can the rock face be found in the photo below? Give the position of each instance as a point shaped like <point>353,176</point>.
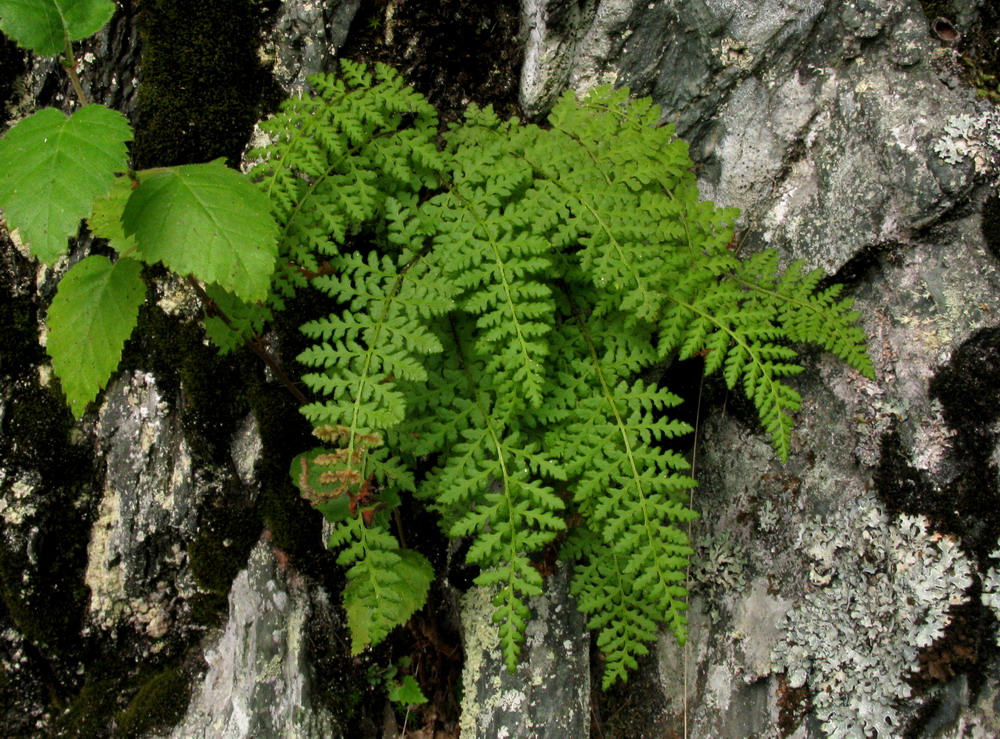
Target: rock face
<point>840,132</point>
<point>850,592</point>
<point>549,693</point>
<point>257,682</point>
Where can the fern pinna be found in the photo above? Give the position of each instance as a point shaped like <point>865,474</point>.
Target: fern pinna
<point>496,291</point>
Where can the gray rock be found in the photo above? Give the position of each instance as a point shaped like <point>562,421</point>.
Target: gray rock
<point>258,679</point>
<point>549,693</point>
<point>838,130</point>
<point>305,38</point>
<point>137,564</point>
<point>824,155</point>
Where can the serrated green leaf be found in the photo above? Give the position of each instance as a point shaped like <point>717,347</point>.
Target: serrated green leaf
<point>92,315</point>
<point>370,619</point>
<point>52,168</point>
<point>206,220</point>
<point>106,218</point>
<point>407,692</point>
<point>44,25</point>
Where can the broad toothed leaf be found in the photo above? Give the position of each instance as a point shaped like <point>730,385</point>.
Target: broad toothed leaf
<point>206,220</point>
<point>44,25</point>
<point>53,168</point>
<point>93,313</point>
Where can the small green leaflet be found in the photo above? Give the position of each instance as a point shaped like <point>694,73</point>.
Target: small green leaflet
<point>92,315</point>
<point>106,219</point>
<point>206,220</point>
<point>407,692</point>
<point>369,620</point>
<point>44,25</point>
<point>52,168</point>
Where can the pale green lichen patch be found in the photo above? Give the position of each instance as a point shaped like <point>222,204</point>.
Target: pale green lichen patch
<point>971,138</point>
<point>481,640</point>
<point>881,592</point>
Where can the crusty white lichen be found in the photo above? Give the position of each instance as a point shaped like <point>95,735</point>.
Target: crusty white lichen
<point>972,137</point>
<point>881,591</point>
<point>991,589</point>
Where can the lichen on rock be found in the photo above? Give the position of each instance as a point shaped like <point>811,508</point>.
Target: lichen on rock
<point>882,591</point>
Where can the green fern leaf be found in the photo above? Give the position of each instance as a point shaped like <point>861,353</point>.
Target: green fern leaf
<point>509,291</point>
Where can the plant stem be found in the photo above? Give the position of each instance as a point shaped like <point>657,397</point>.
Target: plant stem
<point>255,343</point>
<point>69,64</point>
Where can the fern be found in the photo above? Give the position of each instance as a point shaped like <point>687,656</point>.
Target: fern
<point>495,293</point>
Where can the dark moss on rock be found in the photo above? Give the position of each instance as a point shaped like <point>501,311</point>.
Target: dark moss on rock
<point>42,559</point>
<point>202,83</point>
<point>228,527</point>
<point>967,503</point>
<point>207,389</point>
<point>969,390</point>
<point>159,704</point>
<point>453,51</point>
<point>990,224</point>
<point>977,43</point>
<point>90,713</point>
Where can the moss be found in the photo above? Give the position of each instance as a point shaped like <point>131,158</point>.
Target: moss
<point>207,389</point>
<point>208,609</point>
<point>202,82</point>
<point>89,714</point>
<point>226,533</point>
<point>294,525</point>
<point>451,51</point>
<point>43,592</point>
<point>159,704</point>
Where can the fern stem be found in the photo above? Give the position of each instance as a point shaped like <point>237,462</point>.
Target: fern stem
<point>508,591</point>
<point>648,524</point>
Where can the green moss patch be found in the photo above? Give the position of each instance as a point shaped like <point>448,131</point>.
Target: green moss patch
<point>201,80</point>
<point>159,704</point>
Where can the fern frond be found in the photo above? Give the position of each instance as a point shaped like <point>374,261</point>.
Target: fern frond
<point>806,313</point>
<point>365,351</point>
<point>497,260</point>
<point>335,157</point>
<point>489,481</point>
<point>492,305</point>
<point>631,492</point>
<point>606,593</point>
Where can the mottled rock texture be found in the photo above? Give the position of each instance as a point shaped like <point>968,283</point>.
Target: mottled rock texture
<point>159,576</point>
<point>843,133</point>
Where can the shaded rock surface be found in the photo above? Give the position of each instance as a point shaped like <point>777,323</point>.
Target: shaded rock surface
<point>845,133</point>
<point>258,679</point>
<point>549,693</point>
